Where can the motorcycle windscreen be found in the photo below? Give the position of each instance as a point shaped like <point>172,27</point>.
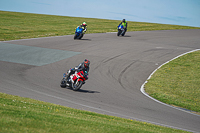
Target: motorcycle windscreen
<point>79,30</point>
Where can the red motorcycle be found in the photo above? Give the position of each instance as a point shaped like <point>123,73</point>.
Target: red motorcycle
<point>75,81</point>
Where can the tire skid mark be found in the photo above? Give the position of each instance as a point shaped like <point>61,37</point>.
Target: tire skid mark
<point>113,58</point>
<point>122,72</point>
<point>107,60</point>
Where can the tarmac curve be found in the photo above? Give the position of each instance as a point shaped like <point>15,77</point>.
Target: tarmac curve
<point>119,67</point>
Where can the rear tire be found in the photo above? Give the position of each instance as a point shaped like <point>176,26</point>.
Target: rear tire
<point>77,86</point>
<point>80,36</point>
<point>124,32</point>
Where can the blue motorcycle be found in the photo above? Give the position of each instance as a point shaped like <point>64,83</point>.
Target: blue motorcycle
<point>78,33</point>
<point>121,30</point>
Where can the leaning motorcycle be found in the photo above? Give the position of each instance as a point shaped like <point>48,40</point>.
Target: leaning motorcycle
<point>75,81</point>
<point>78,33</point>
<point>121,30</point>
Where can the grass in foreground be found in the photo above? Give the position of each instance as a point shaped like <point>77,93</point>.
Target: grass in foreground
<point>178,82</point>
<point>15,25</point>
<point>18,114</point>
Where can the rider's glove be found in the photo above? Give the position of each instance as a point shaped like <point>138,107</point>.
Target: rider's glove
<point>86,77</point>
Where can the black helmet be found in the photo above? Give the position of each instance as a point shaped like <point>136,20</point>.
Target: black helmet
<point>86,63</point>
<point>123,20</point>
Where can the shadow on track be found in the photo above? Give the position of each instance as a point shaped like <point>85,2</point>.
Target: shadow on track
<point>88,91</point>
<point>84,39</point>
<point>83,91</point>
<point>125,36</point>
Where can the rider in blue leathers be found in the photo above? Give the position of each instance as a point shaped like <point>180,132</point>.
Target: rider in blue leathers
<point>84,27</point>
<point>125,24</point>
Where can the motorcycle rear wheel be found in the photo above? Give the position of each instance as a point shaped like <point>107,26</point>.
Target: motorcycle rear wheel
<point>77,86</point>
<point>80,36</point>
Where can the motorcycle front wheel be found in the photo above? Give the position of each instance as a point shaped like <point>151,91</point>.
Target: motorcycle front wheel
<point>63,83</point>
<point>75,36</point>
<point>119,32</point>
<point>77,85</point>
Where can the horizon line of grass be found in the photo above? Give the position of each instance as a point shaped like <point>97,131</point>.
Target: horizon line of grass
<point>17,25</point>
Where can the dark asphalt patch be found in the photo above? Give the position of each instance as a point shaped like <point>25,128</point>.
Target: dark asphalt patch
<point>32,55</point>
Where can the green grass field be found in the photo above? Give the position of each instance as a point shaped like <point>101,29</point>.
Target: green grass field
<point>21,115</point>
<point>175,83</point>
<point>178,82</point>
<point>14,25</point>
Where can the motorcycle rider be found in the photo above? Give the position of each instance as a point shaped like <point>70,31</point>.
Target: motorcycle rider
<point>84,27</point>
<point>84,66</point>
<point>125,24</point>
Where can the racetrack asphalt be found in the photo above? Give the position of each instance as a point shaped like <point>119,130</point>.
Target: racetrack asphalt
<point>119,66</point>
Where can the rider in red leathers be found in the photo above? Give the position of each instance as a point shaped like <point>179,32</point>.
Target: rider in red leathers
<point>84,66</point>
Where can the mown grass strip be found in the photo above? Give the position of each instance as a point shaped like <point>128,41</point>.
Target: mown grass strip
<point>18,114</point>
<point>178,82</point>
<point>15,25</point>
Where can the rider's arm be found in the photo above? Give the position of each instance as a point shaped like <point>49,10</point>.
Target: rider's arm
<point>88,69</point>
<point>78,67</point>
<point>85,29</point>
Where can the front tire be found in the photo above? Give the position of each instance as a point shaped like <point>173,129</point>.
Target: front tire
<point>77,86</point>
<point>119,32</point>
<point>63,83</point>
<point>75,36</point>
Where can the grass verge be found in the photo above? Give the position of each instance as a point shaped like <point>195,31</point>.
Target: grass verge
<point>15,25</point>
<point>18,114</point>
<point>178,82</point>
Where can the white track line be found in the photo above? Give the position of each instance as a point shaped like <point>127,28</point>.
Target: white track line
<point>143,91</point>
